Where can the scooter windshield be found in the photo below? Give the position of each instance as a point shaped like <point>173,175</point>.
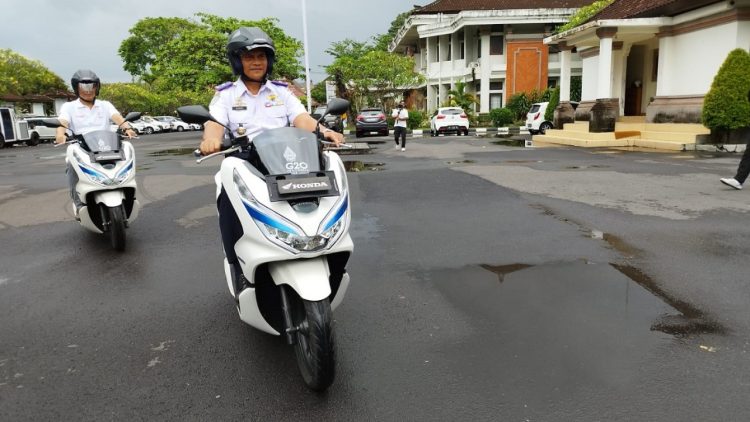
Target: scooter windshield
<point>102,141</point>
<point>288,150</point>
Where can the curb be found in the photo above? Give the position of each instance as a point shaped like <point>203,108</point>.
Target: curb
<point>479,130</point>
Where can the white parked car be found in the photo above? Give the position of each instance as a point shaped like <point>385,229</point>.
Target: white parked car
<point>174,123</point>
<point>165,127</point>
<point>196,126</point>
<point>148,128</point>
<point>43,133</point>
<point>535,122</point>
<point>449,120</point>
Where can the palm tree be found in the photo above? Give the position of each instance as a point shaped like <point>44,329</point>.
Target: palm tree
<point>458,97</point>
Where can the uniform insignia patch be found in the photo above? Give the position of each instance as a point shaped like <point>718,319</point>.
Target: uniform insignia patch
<point>223,86</point>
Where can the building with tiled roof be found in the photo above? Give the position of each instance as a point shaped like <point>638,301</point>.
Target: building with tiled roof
<point>651,58</point>
<point>494,46</point>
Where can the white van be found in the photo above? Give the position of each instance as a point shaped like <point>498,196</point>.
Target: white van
<point>535,122</point>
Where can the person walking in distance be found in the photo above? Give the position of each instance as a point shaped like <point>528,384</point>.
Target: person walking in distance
<point>744,168</point>
<point>400,116</point>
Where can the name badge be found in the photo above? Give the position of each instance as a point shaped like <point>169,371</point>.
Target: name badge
<point>239,107</point>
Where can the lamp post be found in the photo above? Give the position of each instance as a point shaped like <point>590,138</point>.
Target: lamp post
<point>307,60</point>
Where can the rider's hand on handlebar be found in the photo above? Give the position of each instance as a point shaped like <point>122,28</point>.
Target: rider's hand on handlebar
<point>130,133</point>
<point>210,146</point>
<point>334,137</point>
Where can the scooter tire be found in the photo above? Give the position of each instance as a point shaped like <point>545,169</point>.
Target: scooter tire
<point>117,228</point>
<point>314,347</point>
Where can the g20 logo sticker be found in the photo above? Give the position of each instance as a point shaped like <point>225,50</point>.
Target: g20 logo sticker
<point>294,167</point>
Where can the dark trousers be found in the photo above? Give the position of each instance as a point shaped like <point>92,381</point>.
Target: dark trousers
<point>744,169</point>
<point>400,131</point>
<point>229,225</point>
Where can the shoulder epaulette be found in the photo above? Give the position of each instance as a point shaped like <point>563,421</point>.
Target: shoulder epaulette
<point>223,86</point>
<point>280,83</point>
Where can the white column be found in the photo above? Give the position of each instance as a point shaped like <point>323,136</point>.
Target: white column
<point>484,106</point>
<point>604,82</point>
<point>663,87</point>
<point>565,59</point>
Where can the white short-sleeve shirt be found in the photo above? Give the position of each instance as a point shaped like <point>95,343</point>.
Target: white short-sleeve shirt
<point>274,106</point>
<point>82,119</point>
<point>403,114</point>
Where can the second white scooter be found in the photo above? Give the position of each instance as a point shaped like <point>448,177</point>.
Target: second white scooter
<point>105,165</point>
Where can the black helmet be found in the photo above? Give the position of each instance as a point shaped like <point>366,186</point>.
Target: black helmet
<point>249,38</point>
<point>84,75</point>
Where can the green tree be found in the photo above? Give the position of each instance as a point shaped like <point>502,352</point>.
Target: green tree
<point>554,100</point>
<point>21,76</point>
<point>190,55</point>
<point>576,84</point>
<point>383,41</point>
<point>142,97</point>
<point>458,97</point>
<point>147,37</point>
<point>318,92</point>
<point>726,106</point>
<point>501,117</point>
<point>364,74</point>
<point>520,103</point>
<point>583,14</point>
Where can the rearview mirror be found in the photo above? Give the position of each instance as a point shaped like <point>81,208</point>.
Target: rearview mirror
<point>195,114</point>
<point>337,106</point>
<point>51,122</point>
<point>133,116</point>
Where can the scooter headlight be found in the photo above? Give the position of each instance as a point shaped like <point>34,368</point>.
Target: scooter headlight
<point>125,173</point>
<point>96,177</point>
<point>278,229</point>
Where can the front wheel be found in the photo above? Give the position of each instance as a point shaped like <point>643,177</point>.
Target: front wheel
<point>315,346</point>
<point>117,228</point>
<point>149,130</point>
<point>33,140</point>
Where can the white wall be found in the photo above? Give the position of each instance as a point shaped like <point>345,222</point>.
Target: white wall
<point>694,58</point>
<point>590,68</point>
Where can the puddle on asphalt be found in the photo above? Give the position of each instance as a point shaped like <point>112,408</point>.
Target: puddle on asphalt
<point>357,166</point>
<point>511,143</point>
<point>172,151</point>
<point>589,322</point>
<point>594,166</point>
<point>460,162</point>
<point>603,306</point>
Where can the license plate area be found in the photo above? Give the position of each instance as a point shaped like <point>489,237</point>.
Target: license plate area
<point>286,187</point>
<point>108,156</point>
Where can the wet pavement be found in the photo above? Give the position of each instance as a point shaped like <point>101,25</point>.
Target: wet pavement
<point>489,282</point>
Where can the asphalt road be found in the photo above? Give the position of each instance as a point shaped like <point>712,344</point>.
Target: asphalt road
<point>489,282</point>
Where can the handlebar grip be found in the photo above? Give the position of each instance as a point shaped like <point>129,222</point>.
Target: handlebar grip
<point>197,153</point>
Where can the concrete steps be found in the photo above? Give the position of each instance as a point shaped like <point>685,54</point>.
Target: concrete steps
<point>629,131</point>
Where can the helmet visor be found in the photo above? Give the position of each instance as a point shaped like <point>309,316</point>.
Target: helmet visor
<point>87,86</point>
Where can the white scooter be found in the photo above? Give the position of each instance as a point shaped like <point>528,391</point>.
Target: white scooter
<point>293,205</point>
<point>105,165</point>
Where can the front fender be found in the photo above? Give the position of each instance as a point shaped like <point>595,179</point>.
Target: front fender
<point>110,198</point>
<point>308,277</point>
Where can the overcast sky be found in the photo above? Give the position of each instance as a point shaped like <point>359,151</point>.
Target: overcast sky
<point>70,35</point>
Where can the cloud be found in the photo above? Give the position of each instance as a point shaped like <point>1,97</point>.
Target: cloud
<point>66,36</point>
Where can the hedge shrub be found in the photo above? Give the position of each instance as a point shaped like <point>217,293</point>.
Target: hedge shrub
<point>501,117</point>
<point>520,103</point>
<point>726,106</point>
<point>554,100</point>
